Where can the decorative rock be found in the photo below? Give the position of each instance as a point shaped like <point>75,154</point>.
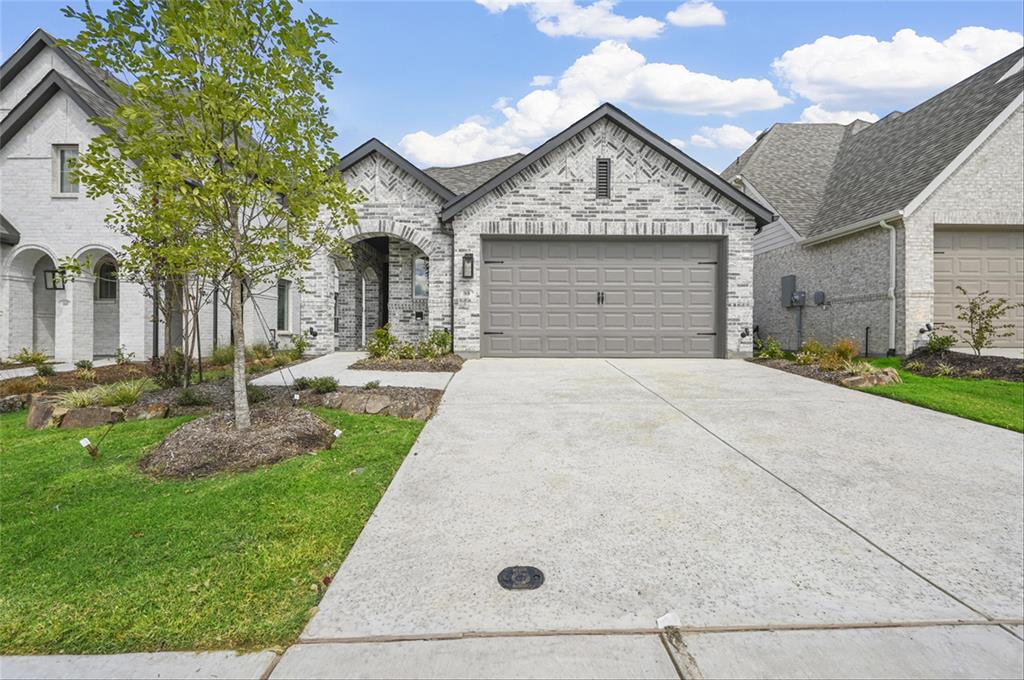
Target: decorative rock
<point>146,411</point>
<point>15,402</point>
<point>40,410</point>
<point>91,416</point>
<point>423,413</point>
<point>377,403</point>
<point>885,376</point>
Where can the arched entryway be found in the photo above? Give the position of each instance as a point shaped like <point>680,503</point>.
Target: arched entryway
<point>32,289</point>
<point>106,316</point>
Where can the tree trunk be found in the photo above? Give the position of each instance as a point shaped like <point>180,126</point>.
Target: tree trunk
<point>241,398</point>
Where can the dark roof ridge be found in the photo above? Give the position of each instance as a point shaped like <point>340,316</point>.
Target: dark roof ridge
<point>374,145</point>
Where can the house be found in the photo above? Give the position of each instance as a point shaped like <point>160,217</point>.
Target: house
<point>606,240</point>
<point>879,223</point>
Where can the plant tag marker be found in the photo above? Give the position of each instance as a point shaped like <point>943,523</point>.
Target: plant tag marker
<point>295,397</point>
<point>84,442</point>
<point>337,433</point>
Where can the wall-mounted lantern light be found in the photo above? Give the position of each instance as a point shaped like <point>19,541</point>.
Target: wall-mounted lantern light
<point>467,266</point>
<point>53,279</point>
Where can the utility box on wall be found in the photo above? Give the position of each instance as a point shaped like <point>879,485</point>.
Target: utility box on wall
<point>788,289</point>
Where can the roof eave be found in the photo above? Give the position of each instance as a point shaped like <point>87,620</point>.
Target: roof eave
<point>761,214</point>
<point>853,228</point>
<point>34,44</point>
<point>9,236</point>
<point>35,99</point>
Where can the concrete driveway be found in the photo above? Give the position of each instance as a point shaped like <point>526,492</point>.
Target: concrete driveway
<point>794,528</point>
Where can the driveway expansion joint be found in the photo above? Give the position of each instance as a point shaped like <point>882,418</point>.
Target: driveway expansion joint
<point>805,496</point>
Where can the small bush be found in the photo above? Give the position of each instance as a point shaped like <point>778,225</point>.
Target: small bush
<point>861,368</point>
<point>832,361</point>
<point>320,385</point>
<point>813,348</point>
<point>85,374</point>
<point>256,394</point>
<point>22,385</point>
<point>437,344</point>
<point>978,373</point>
<point>223,355</point>
<point>27,356</point>
<point>124,393</point>
<point>79,398</point>
<point>83,363</point>
<point>123,356</point>
<point>382,343</point>
<point>190,397</point>
<point>45,370</point>
<point>914,366</point>
<point>940,343</point>
<point>846,348</point>
<point>281,359</point>
<point>260,350</point>
<point>944,369</point>
<point>299,345</point>
<point>805,358</point>
<point>372,385</point>
<point>769,348</point>
<point>406,350</point>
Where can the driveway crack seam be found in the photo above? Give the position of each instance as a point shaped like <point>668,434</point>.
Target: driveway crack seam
<point>805,497</point>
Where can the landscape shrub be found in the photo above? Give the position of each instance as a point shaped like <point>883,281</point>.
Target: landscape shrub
<point>832,361</point>
<point>372,385</point>
<point>256,394</point>
<point>83,363</point>
<point>191,397</point>
<point>85,374</point>
<point>382,343</point>
<point>806,358</point>
<point>982,316</point>
<point>122,356</point>
<point>944,369</point>
<point>281,359</point>
<point>913,365</point>
<point>769,348</point>
<point>223,355</point>
<point>27,356</point>
<point>437,344</point>
<point>846,348</point>
<point>940,343</point>
<point>299,345</point>
<point>321,385</point>
<point>123,393</point>
<point>45,370</point>
<point>405,350</point>
<point>814,348</point>
<point>260,350</point>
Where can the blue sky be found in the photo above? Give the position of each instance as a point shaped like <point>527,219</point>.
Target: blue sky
<point>450,82</point>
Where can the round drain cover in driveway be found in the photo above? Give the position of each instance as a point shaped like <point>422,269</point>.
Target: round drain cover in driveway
<point>521,578</point>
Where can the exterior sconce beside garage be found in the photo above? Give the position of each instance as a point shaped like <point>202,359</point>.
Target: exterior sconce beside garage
<point>467,266</point>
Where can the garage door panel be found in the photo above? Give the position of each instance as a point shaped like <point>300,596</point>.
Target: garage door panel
<point>540,298</point>
<point>978,259</point>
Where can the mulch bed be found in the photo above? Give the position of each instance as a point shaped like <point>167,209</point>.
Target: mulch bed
<point>449,363</point>
<point>963,365</point>
<point>807,370</point>
<point>69,380</point>
<point>209,445</point>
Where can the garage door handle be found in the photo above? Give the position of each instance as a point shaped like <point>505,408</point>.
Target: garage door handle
<point>494,261</point>
<point>707,333</point>
<point>493,333</point>
<point>715,262</point>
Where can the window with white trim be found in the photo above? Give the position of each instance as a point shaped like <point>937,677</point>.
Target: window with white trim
<point>284,304</point>
<point>63,160</point>
<point>106,281</point>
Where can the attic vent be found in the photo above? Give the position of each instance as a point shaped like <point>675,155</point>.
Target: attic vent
<point>604,177</point>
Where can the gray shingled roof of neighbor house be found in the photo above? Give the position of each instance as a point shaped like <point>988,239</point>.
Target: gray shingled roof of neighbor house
<point>823,177</point>
<point>462,179</point>
<point>8,234</point>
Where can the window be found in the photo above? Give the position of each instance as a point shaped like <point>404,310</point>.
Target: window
<point>604,177</point>
<point>64,183</point>
<point>420,277</point>
<point>284,294</point>
<point>106,281</point>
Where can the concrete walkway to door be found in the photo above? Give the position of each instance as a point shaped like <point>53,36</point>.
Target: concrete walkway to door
<point>793,527</point>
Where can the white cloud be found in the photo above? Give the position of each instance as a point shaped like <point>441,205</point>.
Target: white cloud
<point>541,81</point>
<point>557,18</point>
<point>861,70</point>
<point>678,143</point>
<point>611,72</point>
<point>727,136</point>
<point>819,114</point>
<point>696,13</point>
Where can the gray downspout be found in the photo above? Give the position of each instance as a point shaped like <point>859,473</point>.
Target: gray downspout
<point>891,292</point>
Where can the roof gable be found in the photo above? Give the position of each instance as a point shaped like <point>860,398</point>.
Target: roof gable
<point>760,213</point>
<point>36,43</point>
<point>376,146</point>
<point>52,83</point>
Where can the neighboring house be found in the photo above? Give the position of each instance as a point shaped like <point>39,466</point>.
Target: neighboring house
<point>605,241</point>
<point>886,219</point>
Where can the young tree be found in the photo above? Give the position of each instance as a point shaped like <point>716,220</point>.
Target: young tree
<point>219,154</point>
<point>982,318</point>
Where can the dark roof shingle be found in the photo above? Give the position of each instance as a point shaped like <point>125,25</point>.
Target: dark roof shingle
<point>462,179</point>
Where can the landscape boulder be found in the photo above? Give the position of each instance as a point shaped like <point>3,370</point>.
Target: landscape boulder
<point>91,416</point>
<point>146,411</point>
<point>885,376</point>
<point>40,410</point>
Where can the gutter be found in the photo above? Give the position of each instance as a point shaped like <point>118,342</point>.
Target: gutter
<point>853,228</point>
<point>891,292</point>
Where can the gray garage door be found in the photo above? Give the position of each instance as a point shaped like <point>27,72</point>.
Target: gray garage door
<point>610,298</point>
<point>978,259</point>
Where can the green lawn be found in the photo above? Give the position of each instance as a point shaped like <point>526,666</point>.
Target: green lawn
<point>98,558</point>
<point>995,402</point>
